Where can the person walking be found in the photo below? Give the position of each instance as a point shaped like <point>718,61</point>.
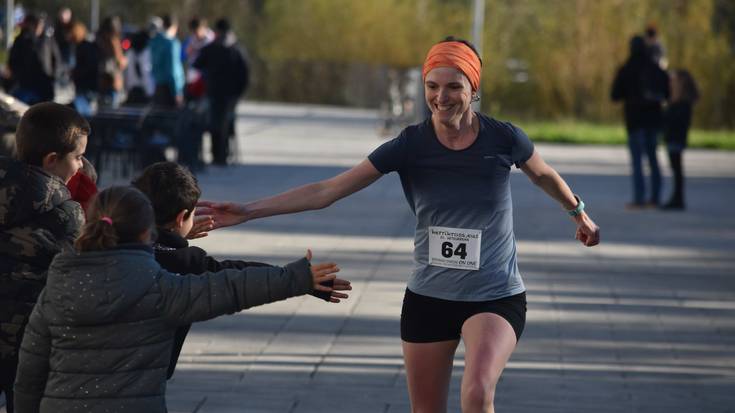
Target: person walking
<point>226,75</point>
<point>643,87</point>
<point>455,171</point>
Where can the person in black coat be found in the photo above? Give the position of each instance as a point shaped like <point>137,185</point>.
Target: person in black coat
<point>85,73</point>
<point>33,62</point>
<point>226,75</point>
<point>643,87</point>
<point>677,120</point>
<point>174,193</point>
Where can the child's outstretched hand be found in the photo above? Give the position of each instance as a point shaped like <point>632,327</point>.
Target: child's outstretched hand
<point>339,285</point>
<point>325,279</point>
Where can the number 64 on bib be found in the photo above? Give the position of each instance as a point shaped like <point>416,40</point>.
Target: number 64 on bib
<point>455,248</point>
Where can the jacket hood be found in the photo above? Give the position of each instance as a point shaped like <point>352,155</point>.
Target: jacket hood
<point>98,286</point>
<point>638,48</point>
<point>27,191</point>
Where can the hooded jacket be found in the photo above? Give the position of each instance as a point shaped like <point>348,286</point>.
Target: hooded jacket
<point>33,63</point>
<point>100,337</point>
<point>642,86</point>
<point>37,219</point>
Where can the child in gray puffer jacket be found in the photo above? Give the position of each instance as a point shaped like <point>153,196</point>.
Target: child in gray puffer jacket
<point>99,338</point>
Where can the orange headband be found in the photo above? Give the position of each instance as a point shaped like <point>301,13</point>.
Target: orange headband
<point>457,55</point>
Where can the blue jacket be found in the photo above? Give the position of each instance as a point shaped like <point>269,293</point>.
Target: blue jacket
<point>166,65</point>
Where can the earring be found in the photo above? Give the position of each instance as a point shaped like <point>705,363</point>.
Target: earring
<point>475,97</point>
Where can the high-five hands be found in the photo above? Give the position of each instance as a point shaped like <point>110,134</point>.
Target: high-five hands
<point>202,225</point>
<point>325,279</point>
<point>224,214</point>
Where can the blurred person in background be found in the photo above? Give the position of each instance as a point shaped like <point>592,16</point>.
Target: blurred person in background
<point>138,77</point>
<point>655,49</point>
<point>32,62</point>
<point>226,74</point>
<point>112,62</point>
<point>200,35</point>
<point>61,34</point>
<point>643,87</point>
<point>196,113</point>
<point>84,73</point>
<point>166,67</point>
<point>677,120</point>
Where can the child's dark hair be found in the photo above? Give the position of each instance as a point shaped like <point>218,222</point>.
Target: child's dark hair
<point>117,215</point>
<point>48,127</point>
<point>464,42</point>
<point>171,189</point>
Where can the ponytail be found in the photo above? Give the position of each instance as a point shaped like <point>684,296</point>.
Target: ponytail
<point>117,215</point>
<point>97,235</point>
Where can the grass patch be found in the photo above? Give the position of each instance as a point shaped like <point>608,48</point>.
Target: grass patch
<point>602,134</point>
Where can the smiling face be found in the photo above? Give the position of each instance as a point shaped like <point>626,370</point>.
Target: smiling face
<point>448,94</point>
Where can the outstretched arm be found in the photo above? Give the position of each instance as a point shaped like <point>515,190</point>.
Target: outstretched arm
<point>545,177</point>
<point>189,298</point>
<point>316,195</point>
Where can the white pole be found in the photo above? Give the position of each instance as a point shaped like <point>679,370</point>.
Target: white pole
<point>9,23</point>
<point>94,18</point>
<point>478,25</point>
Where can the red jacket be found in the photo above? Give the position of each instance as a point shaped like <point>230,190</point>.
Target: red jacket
<point>82,189</point>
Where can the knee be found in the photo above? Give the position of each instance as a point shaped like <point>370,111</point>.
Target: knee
<point>478,396</point>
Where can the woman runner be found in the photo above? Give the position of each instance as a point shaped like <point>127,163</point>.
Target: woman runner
<point>455,170</point>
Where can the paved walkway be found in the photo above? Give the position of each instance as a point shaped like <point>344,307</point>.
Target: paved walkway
<point>643,323</point>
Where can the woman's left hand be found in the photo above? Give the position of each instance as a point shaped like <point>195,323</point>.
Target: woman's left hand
<point>588,233</point>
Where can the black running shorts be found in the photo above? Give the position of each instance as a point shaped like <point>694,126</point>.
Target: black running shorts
<point>427,319</point>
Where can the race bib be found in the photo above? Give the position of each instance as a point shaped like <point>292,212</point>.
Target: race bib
<point>455,248</point>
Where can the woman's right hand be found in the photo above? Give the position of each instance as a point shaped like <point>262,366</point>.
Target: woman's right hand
<point>225,214</point>
<point>202,225</point>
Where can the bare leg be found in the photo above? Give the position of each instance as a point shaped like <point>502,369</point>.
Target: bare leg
<point>489,341</point>
<point>429,371</point>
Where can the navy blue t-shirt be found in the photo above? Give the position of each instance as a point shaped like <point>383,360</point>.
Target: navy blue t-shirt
<point>463,198</point>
